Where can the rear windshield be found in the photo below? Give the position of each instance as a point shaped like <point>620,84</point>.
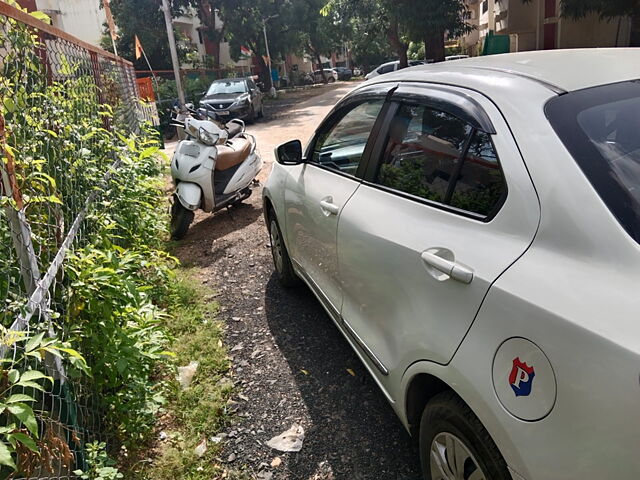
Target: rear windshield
<point>600,127</point>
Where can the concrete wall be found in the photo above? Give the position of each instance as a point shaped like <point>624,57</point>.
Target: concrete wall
<point>80,18</point>
<point>591,31</point>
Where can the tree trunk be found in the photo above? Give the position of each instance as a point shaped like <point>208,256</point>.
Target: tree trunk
<point>426,41</point>
<point>634,41</point>
<point>264,74</point>
<point>434,46</point>
<point>316,53</point>
<point>398,45</point>
<point>322,72</point>
<point>208,20</point>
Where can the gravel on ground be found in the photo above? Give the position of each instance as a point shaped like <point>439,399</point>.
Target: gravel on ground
<point>290,363</point>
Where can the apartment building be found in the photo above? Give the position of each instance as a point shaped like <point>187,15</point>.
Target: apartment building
<point>81,18</point>
<point>538,25</point>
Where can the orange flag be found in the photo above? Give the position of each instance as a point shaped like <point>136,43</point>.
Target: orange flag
<point>138,47</point>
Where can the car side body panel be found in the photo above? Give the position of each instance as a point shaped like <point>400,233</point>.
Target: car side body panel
<point>400,311</point>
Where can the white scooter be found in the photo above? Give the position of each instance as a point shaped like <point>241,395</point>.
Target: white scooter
<point>213,168</point>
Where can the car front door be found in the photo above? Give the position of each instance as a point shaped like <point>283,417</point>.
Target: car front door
<point>317,190</point>
<point>446,206</point>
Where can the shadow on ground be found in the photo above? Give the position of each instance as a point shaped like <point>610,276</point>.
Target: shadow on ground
<point>353,427</point>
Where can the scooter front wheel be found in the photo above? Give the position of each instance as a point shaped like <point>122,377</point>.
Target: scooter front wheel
<point>181,218</point>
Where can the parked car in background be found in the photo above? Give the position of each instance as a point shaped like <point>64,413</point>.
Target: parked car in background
<point>344,73</point>
<point>455,57</point>
<point>473,229</point>
<point>235,98</point>
<point>330,73</point>
<point>390,67</point>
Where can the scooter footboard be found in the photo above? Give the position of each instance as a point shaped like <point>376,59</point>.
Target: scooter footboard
<point>189,195</point>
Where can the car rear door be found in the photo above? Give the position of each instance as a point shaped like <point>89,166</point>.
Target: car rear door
<point>317,191</point>
<point>446,206</point>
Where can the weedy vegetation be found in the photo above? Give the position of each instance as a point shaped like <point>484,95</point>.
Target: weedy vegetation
<point>121,319</point>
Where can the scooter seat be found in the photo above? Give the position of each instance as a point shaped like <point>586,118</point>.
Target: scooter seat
<point>234,128</point>
<point>233,153</point>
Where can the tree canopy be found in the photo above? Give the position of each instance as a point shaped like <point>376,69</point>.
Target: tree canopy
<point>144,19</point>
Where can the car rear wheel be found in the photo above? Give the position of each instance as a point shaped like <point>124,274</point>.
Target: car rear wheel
<point>331,80</point>
<point>455,446</point>
<point>281,260</point>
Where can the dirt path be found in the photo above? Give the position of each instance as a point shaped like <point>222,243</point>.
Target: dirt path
<point>290,362</point>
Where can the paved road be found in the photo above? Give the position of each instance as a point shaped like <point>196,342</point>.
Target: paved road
<point>290,362</point>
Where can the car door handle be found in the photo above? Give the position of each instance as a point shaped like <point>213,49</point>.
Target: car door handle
<point>454,270</point>
<point>329,207</point>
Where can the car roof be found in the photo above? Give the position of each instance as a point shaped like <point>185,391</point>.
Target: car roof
<point>560,70</point>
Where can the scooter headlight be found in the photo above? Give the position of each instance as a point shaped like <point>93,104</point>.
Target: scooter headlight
<point>206,137</point>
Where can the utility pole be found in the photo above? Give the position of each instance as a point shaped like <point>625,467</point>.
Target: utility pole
<point>172,48</point>
<point>272,90</point>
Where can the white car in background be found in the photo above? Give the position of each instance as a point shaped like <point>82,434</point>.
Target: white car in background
<point>473,229</point>
<point>390,67</point>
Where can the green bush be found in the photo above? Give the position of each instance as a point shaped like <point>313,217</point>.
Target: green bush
<point>109,295</point>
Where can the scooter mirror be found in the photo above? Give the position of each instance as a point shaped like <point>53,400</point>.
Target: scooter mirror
<point>289,153</point>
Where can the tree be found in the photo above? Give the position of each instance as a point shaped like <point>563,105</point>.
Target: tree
<point>321,34</point>
<point>144,19</point>
<point>368,50</point>
<point>243,23</point>
<point>430,20</point>
<point>376,18</point>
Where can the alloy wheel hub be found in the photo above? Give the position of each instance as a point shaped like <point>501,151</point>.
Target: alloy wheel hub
<point>452,460</point>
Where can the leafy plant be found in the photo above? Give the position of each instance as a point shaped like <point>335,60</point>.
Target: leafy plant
<point>68,147</point>
<point>101,467</point>
<point>23,383</point>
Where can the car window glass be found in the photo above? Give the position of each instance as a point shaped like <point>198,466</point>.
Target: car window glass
<point>423,149</point>
<point>600,126</point>
<point>385,69</point>
<point>480,185</point>
<point>252,85</point>
<point>342,146</point>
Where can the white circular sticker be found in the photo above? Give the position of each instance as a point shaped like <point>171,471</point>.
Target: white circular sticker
<point>523,379</point>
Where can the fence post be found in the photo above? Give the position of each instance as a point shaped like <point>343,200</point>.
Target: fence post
<point>23,244</point>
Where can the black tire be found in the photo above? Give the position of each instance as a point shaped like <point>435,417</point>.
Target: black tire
<point>281,260</point>
<point>446,416</point>
<point>169,132</point>
<point>181,218</point>
<point>331,80</point>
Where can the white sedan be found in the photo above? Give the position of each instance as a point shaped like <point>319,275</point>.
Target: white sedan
<point>473,229</point>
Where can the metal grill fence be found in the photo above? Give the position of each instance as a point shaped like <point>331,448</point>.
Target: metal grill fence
<point>51,197</point>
